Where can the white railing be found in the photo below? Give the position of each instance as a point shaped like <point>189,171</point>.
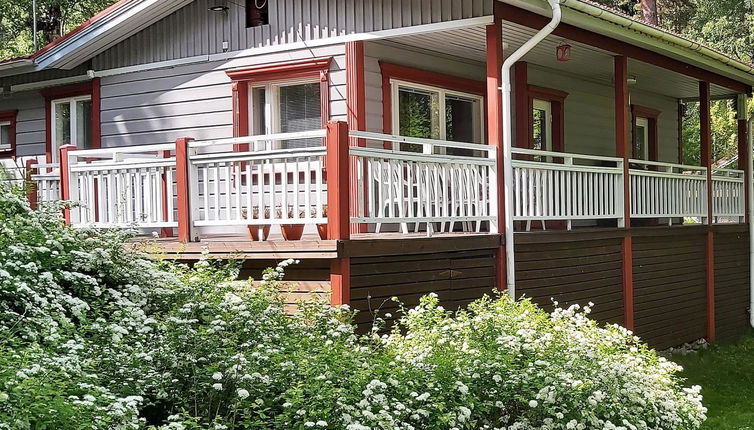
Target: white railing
<point>577,187</point>
<point>728,195</point>
<point>46,180</point>
<point>271,186</point>
<point>666,190</point>
<point>448,182</point>
<point>123,187</point>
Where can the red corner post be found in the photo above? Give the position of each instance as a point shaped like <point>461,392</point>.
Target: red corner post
<point>494,41</point>
<point>31,186</point>
<point>65,178</point>
<point>338,202</point>
<point>183,189</point>
<point>622,151</point>
<point>705,128</point>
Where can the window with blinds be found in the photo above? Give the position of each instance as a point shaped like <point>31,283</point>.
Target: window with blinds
<point>286,108</point>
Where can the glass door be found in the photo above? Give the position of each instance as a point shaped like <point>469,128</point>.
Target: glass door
<point>71,123</point>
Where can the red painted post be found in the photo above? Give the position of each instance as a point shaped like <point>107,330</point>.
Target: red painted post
<point>183,189</point>
<point>31,186</point>
<point>338,202</point>
<point>743,153</point>
<point>705,128</point>
<point>65,178</point>
<point>356,114</point>
<point>494,43</point>
<point>622,151</point>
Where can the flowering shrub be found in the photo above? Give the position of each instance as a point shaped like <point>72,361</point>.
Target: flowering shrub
<point>93,337</point>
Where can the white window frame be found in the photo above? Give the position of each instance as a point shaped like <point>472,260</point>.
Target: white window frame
<point>546,107</point>
<point>271,103</point>
<point>5,146</point>
<point>72,103</point>
<point>643,122</point>
<point>395,86</point>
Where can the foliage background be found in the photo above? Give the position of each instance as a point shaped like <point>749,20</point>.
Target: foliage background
<point>726,25</point>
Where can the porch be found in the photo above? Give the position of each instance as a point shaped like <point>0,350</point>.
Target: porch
<point>310,188</point>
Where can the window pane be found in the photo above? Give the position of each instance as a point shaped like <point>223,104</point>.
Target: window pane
<point>62,124</point>
<point>4,136</point>
<point>641,142</point>
<point>300,110</point>
<point>462,123</point>
<point>418,115</point>
<point>84,124</point>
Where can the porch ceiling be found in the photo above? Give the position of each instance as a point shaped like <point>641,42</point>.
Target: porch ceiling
<point>587,62</point>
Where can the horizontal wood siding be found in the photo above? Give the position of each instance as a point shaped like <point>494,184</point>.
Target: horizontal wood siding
<point>194,31</point>
<point>30,126</point>
<point>573,271</point>
<point>158,106</point>
<point>731,284</point>
<point>670,287</point>
<point>458,278</point>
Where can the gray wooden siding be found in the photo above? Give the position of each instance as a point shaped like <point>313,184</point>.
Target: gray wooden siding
<point>374,52</point>
<point>589,107</point>
<point>159,106</point>
<point>30,126</point>
<point>193,30</point>
<point>589,114</point>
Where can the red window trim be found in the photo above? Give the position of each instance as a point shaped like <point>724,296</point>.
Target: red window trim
<point>423,77</point>
<point>90,88</point>
<point>653,115</point>
<point>316,68</point>
<point>10,116</point>
<point>557,100</point>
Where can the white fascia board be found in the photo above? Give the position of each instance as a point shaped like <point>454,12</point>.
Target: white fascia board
<point>97,30</point>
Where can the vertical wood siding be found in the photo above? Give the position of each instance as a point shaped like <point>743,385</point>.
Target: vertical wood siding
<point>670,287</point>
<point>193,30</point>
<point>731,284</point>
<point>570,270</point>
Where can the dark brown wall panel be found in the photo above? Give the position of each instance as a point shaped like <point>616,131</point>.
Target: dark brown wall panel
<point>731,284</point>
<point>670,288</point>
<point>573,272</point>
<point>458,278</point>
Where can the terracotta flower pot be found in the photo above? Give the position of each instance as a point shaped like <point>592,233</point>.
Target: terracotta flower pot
<point>254,232</point>
<point>322,230</point>
<point>292,231</point>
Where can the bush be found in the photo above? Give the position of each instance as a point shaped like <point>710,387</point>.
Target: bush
<point>93,337</point>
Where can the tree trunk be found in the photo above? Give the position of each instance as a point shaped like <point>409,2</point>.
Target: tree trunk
<point>649,11</point>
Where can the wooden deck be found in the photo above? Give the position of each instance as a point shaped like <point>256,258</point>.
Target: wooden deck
<point>311,247</point>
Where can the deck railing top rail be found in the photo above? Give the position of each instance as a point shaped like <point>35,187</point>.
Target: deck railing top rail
<point>259,138</point>
<point>671,166</point>
<point>421,141</point>
<point>553,154</point>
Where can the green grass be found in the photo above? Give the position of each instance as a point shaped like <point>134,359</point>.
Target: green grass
<point>726,374</point>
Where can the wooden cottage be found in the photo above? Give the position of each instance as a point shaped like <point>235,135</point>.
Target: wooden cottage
<point>370,140</point>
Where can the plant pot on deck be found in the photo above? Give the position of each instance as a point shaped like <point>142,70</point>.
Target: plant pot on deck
<point>258,232</point>
<point>292,231</point>
<point>321,228</point>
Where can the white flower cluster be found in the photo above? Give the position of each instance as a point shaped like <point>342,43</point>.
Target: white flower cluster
<point>113,341</point>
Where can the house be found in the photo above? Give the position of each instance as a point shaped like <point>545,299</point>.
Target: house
<point>373,135</point>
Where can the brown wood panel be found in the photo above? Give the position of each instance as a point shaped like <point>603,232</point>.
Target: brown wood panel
<point>731,283</point>
<point>457,276</point>
<point>572,268</point>
<point>669,285</point>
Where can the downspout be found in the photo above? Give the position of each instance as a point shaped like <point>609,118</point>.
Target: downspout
<point>750,185</point>
<point>508,139</point>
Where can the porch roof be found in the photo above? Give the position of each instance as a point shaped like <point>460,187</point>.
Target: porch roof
<point>587,63</point>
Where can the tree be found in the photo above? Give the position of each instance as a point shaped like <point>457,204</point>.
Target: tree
<point>649,11</point>
<point>54,18</point>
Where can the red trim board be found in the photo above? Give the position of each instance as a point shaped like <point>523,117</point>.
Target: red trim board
<point>11,117</point>
<point>91,88</point>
